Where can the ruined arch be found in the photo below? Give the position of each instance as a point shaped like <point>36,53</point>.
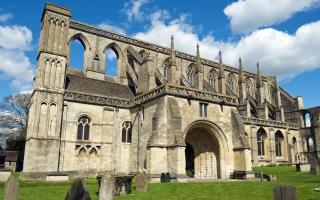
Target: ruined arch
<point>86,47</point>
<point>112,67</point>
<point>84,41</point>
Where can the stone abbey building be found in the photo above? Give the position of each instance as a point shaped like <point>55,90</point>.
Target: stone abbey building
<point>165,111</point>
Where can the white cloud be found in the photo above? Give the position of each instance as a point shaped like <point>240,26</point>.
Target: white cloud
<point>133,9</point>
<point>246,16</point>
<point>279,53</point>
<point>15,65</point>
<point>5,17</point>
<point>15,37</point>
<point>112,28</point>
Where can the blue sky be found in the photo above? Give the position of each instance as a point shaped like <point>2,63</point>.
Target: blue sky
<point>282,35</point>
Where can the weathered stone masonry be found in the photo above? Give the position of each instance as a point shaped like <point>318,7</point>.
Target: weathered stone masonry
<point>165,111</point>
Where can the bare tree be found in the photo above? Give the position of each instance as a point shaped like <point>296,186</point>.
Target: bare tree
<point>14,112</point>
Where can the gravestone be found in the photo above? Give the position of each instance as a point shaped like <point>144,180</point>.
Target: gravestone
<point>11,189</point>
<point>106,187</point>
<point>284,192</point>
<point>78,191</point>
<point>313,166</point>
<point>141,182</point>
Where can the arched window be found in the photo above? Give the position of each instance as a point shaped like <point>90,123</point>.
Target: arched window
<point>278,138</point>
<point>310,144</point>
<point>111,61</point>
<point>126,136</point>
<point>261,137</point>
<point>307,120</point>
<point>83,130</point>
<point>191,72</point>
<point>232,83</point>
<point>213,79</point>
<point>76,54</point>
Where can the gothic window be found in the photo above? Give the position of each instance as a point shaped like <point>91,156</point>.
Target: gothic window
<point>261,138</point>
<point>232,83</point>
<point>278,138</point>
<point>126,134</point>
<point>213,79</point>
<point>191,74</point>
<point>294,143</point>
<point>83,129</point>
<point>249,87</point>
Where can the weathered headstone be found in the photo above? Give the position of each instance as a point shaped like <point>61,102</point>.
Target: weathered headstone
<point>273,177</point>
<point>313,166</point>
<point>106,187</point>
<point>141,182</point>
<point>11,189</point>
<point>284,192</point>
<point>78,191</point>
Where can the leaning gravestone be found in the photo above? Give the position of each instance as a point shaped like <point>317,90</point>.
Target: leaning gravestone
<point>78,191</point>
<point>284,192</point>
<point>313,166</point>
<point>106,187</point>
<point>11,189</point>
<point>141,182</point>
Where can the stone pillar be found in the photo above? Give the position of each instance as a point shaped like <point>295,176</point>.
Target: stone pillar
<point>272,146</point>
<point>181,164</point>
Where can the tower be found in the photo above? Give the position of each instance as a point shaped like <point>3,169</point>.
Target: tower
<point>43,133</point>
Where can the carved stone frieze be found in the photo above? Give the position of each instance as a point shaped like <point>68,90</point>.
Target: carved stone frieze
<point>270,123</point>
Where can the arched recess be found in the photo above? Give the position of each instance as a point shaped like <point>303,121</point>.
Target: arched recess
<point>232,83</point>
<point>279,144</point>
<point>206,150</point>
<point>112,59</point>
<point>78,48</point>
<point>294,149</point>
<point>213,79</point>
<point>250,87</point>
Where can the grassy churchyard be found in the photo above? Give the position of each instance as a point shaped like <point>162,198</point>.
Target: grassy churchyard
<point>238,190</point>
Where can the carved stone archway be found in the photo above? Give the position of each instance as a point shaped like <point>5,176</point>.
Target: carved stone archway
<point>205,151</point>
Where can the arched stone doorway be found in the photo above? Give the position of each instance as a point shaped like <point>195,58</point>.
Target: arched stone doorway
<point>202,153</point>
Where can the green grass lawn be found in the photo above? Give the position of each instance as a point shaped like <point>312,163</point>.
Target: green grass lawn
<point>239,190</point>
